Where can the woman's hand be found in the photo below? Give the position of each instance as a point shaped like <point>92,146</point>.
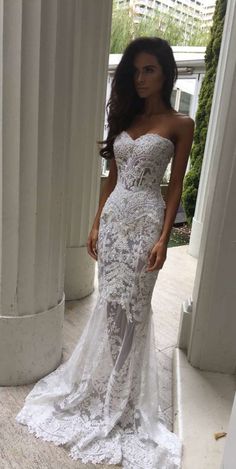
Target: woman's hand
<point>92,243</point>
<point>157,256</point>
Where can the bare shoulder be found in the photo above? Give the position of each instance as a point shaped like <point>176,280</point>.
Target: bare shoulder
<point>183,126</point>
<point>183,120</point>
<point>183,132</point>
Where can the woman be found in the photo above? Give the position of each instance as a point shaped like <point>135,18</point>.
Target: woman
<point>103,403</point>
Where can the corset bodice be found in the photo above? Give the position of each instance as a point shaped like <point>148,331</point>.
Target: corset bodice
<point>142,162</point>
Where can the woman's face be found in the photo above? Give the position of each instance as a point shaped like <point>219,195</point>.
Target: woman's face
<point>148,75</point>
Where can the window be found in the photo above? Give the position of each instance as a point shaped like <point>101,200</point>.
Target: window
<point>185,102</point>
<point>173,98</point>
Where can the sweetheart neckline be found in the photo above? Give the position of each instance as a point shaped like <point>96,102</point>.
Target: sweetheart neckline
<point>149,133</point>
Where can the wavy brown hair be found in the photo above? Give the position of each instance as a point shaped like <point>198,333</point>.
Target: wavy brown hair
<point>124,102</point>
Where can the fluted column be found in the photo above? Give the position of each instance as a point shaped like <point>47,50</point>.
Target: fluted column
<point>36,65</point>
<point>203,189</point>
<point>92,23</point>
<point>208,327</point>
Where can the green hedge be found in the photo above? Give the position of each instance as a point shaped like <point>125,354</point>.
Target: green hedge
<point>191,180</point>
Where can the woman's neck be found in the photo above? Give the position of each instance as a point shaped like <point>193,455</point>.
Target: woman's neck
<point>154,106</point>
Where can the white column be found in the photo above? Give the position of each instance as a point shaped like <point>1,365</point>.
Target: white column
<point>35,76</point>
<point>203,189</point>
<point>210,334</point>
<point>92,23</point>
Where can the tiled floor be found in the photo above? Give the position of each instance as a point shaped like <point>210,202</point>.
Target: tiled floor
<point>21,450</point>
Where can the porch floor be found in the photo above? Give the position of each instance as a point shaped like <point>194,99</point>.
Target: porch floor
<point>203,402</point>
<point>20,449</point>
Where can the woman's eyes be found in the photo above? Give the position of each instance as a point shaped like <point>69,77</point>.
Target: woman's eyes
<point>147,70</point>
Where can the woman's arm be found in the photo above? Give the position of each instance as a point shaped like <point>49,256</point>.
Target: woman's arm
<point>108,188</point>
<point>183,146</point>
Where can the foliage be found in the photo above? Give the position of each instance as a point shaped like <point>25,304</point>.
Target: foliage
<point>199,37</point>
<point>191,180</point>
<point>125,28</point>
<point>180,235</point>
<point>162,25</point>
<point>121,30</point>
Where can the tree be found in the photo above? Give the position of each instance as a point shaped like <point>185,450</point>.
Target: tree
<point>191,180</point>
<point>126,26</point>
<point>160,24</point>
<point>199,36</point>
<point>121,29</point>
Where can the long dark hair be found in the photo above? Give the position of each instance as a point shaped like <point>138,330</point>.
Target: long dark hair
<point>124,102</point>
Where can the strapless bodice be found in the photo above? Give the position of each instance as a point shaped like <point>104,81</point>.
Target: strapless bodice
<point>142,162</point>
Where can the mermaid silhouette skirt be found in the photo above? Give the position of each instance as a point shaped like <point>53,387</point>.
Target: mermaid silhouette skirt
<point>103,403</point>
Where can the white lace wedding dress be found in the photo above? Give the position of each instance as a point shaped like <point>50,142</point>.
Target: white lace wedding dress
<point>103,403</point>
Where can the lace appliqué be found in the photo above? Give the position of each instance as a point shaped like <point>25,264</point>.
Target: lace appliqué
<point>103,403</point>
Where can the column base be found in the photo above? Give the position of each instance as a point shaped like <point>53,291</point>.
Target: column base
<point>185,324</point>
<point>30,346</point>
<point>202,403</point>
<point>79,273</point>
<point>195,238</point>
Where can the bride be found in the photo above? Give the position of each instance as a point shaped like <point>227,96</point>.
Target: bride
<point>103,403</point>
